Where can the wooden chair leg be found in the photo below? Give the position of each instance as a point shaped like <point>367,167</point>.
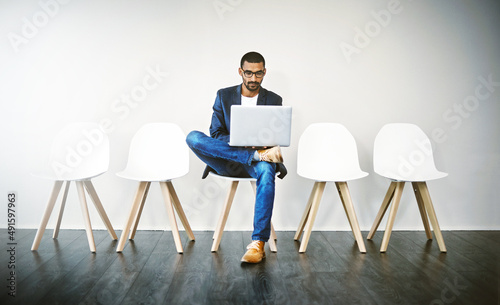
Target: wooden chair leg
<point>85,212</point>
<point>46,215</point>
<point>100,209</point>
<point>341,195</point>
<point>223,216</point>
<point>61,210</point>
<point>137,217</point>
<point>272,240</point>
<point>303,221</point>
<point>171,216</point>
<point>383,208</point>
<point>273,233</point>
<point>346,199</point>
<point>392,215</point>
<point>219,220</point>
<point>421,208</point>
<point>312,216</point>
<point>180,211</point>
<point>432,214</point>
<point>133,212</point>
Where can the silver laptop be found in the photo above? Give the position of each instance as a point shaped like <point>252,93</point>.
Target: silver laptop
<point>260,126</point>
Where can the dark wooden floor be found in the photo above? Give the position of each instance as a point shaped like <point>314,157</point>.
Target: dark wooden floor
<point>332,271</point>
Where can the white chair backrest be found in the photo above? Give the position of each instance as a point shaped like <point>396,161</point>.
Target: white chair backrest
<point>328,152</point>
<point>79,151</point>
<point>403,152</point>
<point>158,152</point>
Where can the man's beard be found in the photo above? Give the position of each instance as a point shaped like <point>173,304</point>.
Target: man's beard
<point>252,83</point>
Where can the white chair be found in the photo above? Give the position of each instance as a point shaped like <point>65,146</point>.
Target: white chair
<point>158,152</point>
<point>79,153</point>
<point>227,208</point>
<point>403,152</point>
<point>327,153</point>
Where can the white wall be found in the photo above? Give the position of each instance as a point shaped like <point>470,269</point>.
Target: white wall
<point>421,64</point>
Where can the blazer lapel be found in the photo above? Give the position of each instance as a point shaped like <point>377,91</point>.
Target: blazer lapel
<point>261,100</point>
<point>237,98</point>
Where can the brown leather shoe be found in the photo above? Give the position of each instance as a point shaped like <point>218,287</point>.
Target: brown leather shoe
<point>272,155</point>
<point>255,252</point>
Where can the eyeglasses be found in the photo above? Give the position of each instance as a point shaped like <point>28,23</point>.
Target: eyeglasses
<point>248,73</point>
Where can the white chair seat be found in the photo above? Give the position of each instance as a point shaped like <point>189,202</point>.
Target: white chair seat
<point>214,174</point>
<point>50,175</point>
<point>416,177</point>
<point>336,177</point>
<point>145,176</point>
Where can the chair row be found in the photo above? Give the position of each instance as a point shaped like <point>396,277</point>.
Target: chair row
<point>327,152</point>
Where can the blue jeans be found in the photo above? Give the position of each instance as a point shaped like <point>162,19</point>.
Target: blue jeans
<point>238,162</point>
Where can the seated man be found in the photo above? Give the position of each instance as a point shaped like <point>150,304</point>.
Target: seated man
<point>243,161</point>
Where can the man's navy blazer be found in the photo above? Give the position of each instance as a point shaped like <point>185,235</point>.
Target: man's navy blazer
<point>221,117</point>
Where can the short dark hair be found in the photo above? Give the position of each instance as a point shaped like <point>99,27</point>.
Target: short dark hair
<point>253,57</point>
